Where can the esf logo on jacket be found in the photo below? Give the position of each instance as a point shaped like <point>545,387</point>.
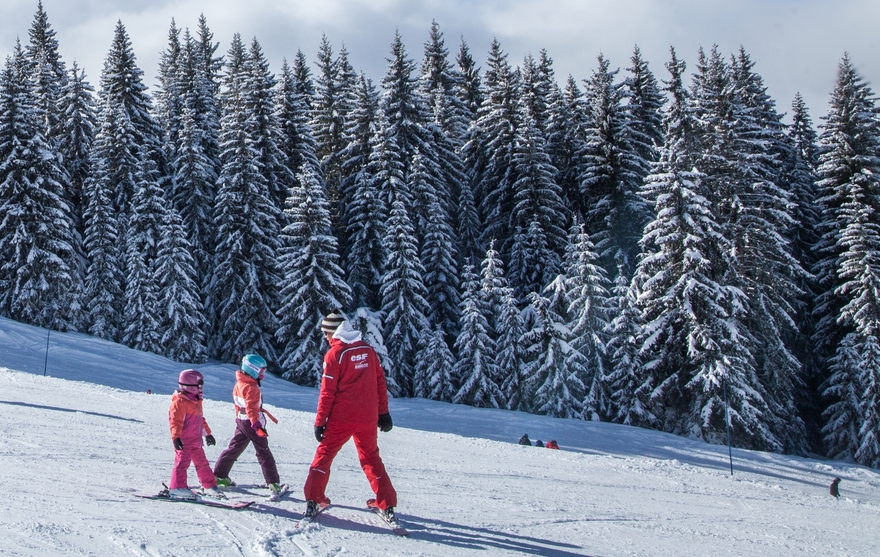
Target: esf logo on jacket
<point>359,360</point>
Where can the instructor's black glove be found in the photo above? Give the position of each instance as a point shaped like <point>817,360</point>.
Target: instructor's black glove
<point>178,444</point>
<point>319,433</point>
<point>210,440</point>
<point>385,422</point>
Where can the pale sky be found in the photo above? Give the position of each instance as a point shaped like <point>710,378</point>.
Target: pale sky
<point>796,44</point>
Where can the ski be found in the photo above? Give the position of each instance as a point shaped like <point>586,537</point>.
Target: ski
<point>392,522</point>
<point>306,520</point>
<point>199,500</point>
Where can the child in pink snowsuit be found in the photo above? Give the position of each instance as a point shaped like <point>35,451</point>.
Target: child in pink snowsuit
<point>188,426</point>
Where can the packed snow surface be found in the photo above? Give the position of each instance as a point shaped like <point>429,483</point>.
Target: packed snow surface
<point>80,440</point>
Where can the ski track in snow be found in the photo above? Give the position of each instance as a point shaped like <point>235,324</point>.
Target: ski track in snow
<point>75,451</point>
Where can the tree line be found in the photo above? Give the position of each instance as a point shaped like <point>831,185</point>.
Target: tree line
<point>667,254</point>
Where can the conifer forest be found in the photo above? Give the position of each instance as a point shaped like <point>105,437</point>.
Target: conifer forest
<point>650,245</point>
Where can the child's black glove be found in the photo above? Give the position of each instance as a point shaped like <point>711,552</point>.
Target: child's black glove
<point>319,432</point>
<point>178,444</point>
<point>209,439</point>
<point>385,422</point>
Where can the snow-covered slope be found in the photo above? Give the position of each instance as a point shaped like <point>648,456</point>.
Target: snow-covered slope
<point>77,442</point>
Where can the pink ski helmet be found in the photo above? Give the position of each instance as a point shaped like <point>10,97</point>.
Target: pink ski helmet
<point>191,382</point>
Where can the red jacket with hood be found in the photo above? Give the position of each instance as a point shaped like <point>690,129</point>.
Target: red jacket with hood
<point>353,386</point>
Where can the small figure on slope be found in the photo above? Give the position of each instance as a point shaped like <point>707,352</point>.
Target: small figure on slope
<point>524,440</point>
<point>835,489</point>
<point>250,425</point>
<point>188,426</point>
<point>352,403</point>
<point>552,444</point>
<point>539,443</point>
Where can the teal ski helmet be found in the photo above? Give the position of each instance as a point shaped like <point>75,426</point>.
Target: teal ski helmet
<point>253,365</point>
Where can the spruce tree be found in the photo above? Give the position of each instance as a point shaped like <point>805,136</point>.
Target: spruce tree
<point>612,172</point>
<point>78,127</point>
<point>312,283</point>
<point>39,264</point>
<point>693,349</point>
<point>363,166</point>
<point>587,316</point>
<point>183,324</point>
<point>434,377</point>
<point>537,208</point>
<point>552,385</point>
<point>245,273</point>
<point>105,272</point>
<point>848,157</point>
<point>511,352</point>
<point>475,366</point>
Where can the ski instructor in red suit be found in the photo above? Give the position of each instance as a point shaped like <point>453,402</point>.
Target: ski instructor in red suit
<point>352,404</point>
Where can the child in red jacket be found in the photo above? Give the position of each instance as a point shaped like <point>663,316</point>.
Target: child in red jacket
<point>188,426</point>
<point>250,425</point>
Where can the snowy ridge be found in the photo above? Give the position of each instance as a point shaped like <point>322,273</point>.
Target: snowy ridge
<point>81,439</point>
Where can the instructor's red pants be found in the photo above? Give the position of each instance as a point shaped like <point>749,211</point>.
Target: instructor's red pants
<point>335,436</point>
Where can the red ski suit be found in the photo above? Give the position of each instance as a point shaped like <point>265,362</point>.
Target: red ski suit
<point>353,394</point>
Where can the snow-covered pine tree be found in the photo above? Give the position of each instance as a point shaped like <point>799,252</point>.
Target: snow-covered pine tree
<point>330,109</point>
<point>553,387</point>
<point>758,229</point>
<point>475,365</point>
<point>302,76</point>
<point>362,165</point>
<point>849,154</point>
<point>49,80</point>
<point>297,145</point>
<point>245,273</point>
<point>644,110</point>
<point>104,278</point>
<point>568,127</point>
<point>800,177</point>
<point>587,316</point>
<point>40,281</point>
<point>629,395</point>
<point>195,162</point>
<point>47,73</point>
<point>612,172</point>
<point>859,269</point>
<point>403,292</point>
<point>447,123</point>
<point>843,388</point>
<point>77,128</point>
<point>212,66</point>
<point>439,259</point>
<point>142,316</point>
<point>434,377</point>
<point>312,283</point>
<point>510,353</point>
<point>691,345</point>
<point>183,324</point>
<point>469,91</point>
<point>135,133</point>
<point>263,127</point>
<point>537,208</point>
<point>488,152</point>
<point>169,96</point>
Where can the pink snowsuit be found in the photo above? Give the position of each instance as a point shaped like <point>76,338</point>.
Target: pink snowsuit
<point>188,423</point>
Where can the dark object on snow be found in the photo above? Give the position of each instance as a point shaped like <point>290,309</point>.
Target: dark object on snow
<point>178,444</point>
<point>385,423</point>
<point>538,443</point>
<point>835,492</point>
<point>209,439</point>
<point>552,444</point>
<point>524,440</point>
